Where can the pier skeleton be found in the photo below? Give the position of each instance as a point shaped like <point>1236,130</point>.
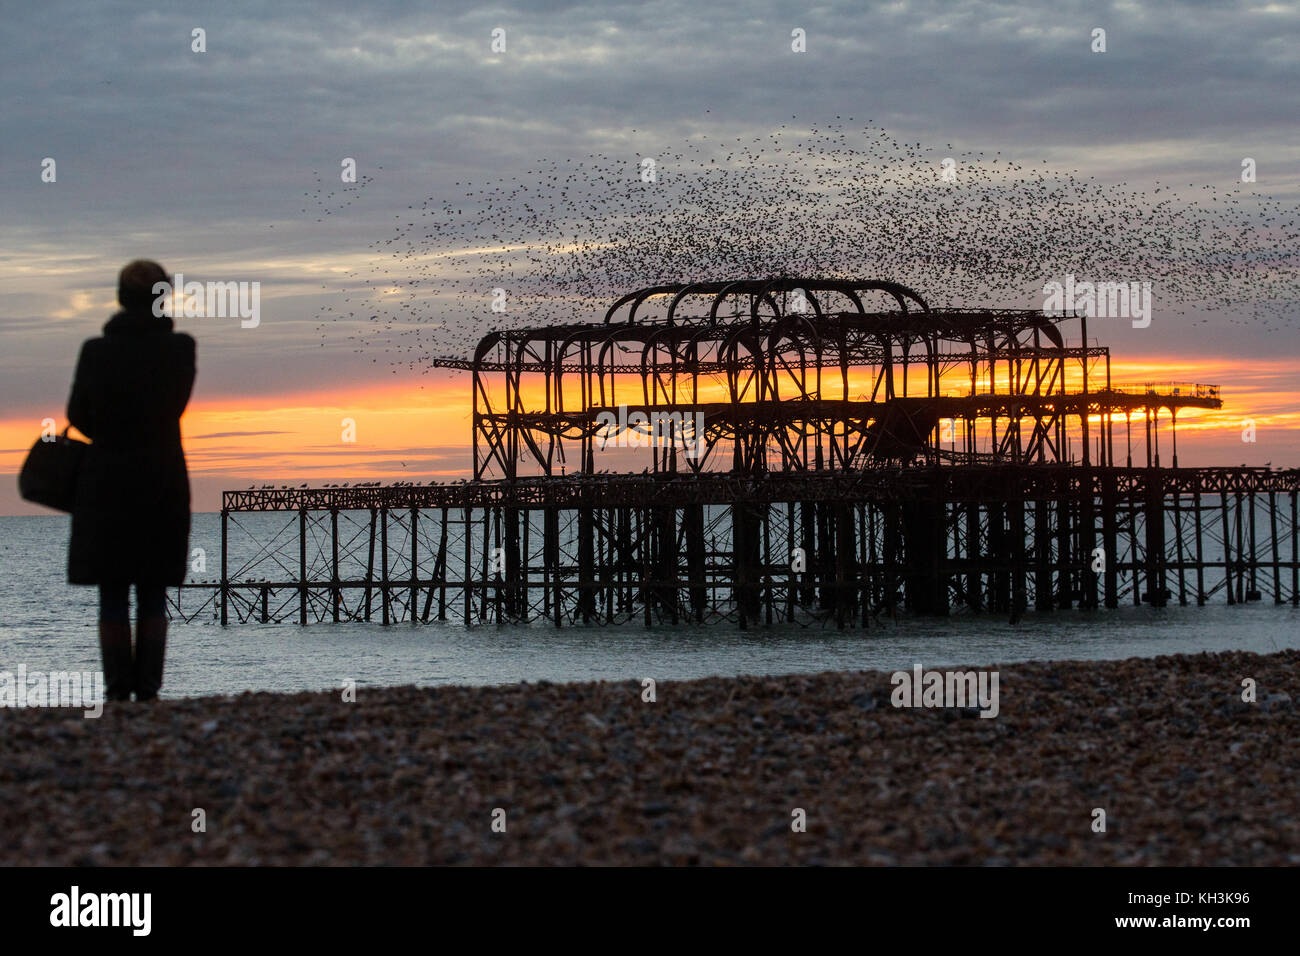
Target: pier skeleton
<point>858,453</point>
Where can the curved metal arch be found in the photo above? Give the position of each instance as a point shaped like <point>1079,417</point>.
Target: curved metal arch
<point>781,331</point>
<point>750,339</point>
<point>783,285</point>
<point>845,289</point>
<point>694,288</point>
<point>606,362</point>
<point>649,294</point>
<point>636,298</point>
<point>672,336</point>
<point>898,290</point>
<point>484,344</point>
<point>557,364</point>
<point>731,289</point>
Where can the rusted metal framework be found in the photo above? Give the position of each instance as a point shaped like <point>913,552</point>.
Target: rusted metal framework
<point>802,375</point>
<point>832,451</point>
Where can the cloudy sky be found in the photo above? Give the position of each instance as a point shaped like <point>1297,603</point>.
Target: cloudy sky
<point>213,163</point>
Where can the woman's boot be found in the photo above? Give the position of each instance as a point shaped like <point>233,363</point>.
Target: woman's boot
<point>150,647</point>
<point>115,648</point>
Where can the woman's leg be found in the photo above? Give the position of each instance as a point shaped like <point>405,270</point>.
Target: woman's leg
<point>113,605</point>
<point>150,600</point>
<point>150,639</point>
<point>115,640</point>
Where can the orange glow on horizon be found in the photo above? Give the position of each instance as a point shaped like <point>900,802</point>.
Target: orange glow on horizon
<point>424,433</point>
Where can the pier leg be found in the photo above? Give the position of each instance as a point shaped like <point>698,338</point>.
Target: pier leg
<point>1254,560</point>
<point>370,563</point>
<point>1178,543</point>
<point>1135,569</point>
<point>1109,541</point>
<point>791,582</point>
<point>383,564</point>
<point>468,597</point>
<point>415,566</point>
<point>808,541</point>
<point>442,568</point>
<point>766,562</point>
<point>1241,555</point>
<point>490,575</point>
<point>514,576</point>
<point>845,572</point>
<point>826,557</point>
<point>526,567</point>
<point>1016,542</point>
<point>439,574</point>
<point>627,560</point>
<point>1155,528</point>
<point>645,545</point>
<point>1227,547</point>
<point>1277,566</point>
<point>1042,557</point>
<point>497,557</point>
<point>609,566</point>
<point>1200,559</point>
<point>894,556</point>
<point>925,542</point>
<point>1295,553</point>
<point>302,565</point>
<point>864,564</point>
<point>974,558</point>
<point>586,562</point>
<point>1001,559</point>
<point>1087,539</point>
<point>745,547</point>
<point>335,593</point>
<point>693,532</point>
<point>225,577</point>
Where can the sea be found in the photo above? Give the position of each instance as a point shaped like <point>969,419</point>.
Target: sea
<point>48,625</point>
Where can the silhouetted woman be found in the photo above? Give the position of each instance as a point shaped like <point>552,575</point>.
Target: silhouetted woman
<point>131,524</point>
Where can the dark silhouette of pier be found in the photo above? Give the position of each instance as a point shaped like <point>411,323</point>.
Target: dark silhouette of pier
<point>781,450</point>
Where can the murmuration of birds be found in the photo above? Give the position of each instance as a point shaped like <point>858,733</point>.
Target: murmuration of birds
<point>566,237</point>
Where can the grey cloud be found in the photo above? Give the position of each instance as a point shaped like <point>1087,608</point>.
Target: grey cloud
<point>208,161</point>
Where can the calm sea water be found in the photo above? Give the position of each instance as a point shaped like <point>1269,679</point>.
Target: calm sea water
<point>49,625</point>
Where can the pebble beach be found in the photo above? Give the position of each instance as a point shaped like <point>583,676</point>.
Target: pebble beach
<point>719,771</point>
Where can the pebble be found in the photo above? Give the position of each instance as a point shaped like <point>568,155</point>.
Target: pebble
<point>711,774</point>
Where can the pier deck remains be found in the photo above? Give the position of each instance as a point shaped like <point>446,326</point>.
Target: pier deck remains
<point>779,450</point>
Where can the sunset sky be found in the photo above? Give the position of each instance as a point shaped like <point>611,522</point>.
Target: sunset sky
<point>211,163</point>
